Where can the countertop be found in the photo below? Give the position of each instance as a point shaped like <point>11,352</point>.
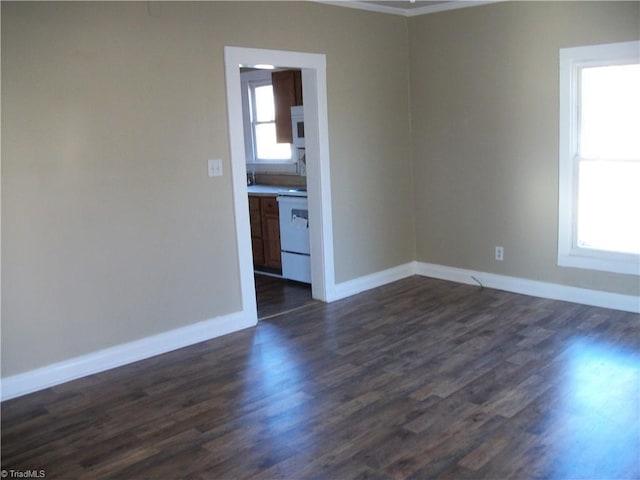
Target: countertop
<point>265,189</point>
<point>270,190</point>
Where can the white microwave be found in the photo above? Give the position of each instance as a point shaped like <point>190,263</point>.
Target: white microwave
<point>297,126</point>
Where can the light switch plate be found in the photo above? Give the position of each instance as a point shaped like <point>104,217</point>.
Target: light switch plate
<point>215,168</point>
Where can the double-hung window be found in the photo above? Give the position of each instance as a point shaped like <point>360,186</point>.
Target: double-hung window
<point>599,158</point>
<point>263,152</point>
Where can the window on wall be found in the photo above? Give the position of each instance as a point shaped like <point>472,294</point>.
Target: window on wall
<point>599,217</point>
<point>262,150</point>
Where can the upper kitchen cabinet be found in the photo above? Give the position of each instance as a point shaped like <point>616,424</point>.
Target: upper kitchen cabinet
<point>287,93</point>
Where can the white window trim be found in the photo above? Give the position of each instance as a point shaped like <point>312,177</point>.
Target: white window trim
<point>252,165</point>
<point>569,254</point>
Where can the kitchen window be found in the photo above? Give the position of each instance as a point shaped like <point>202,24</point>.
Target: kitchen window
<point>263,152</point>
<point>599,158</point>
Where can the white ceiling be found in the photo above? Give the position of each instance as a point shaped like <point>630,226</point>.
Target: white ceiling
<point>407,8</point>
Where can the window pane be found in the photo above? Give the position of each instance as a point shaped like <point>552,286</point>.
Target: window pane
<point>265,106</point>
<point>610,112</point>
<point>609,206</point>
<point>266,146</point>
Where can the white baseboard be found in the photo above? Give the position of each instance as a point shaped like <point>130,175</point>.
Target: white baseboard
<point>361,284</point>
<point>112,357</point>
<point>123,354</point>
<point>534,288</point>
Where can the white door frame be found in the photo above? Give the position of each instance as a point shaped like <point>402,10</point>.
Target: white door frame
<point>314,80</point>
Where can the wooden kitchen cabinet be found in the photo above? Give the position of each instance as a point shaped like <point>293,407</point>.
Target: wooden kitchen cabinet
<point>287,93</point>
<point>265,233</point>
<point>271,232</point>
<point>257,243</point>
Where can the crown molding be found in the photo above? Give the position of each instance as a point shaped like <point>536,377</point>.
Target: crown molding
<point>407,12</point>
<point>443,7</point>
<point>358,5</point>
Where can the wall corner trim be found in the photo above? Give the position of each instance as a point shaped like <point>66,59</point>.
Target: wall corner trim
<point>119,355</point>
<point>534,288</point>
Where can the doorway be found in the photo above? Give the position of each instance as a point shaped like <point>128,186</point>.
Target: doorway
<point>313,67</point>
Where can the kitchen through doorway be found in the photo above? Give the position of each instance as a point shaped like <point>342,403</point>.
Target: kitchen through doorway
<point>273,119</point>
<point>313,72</point>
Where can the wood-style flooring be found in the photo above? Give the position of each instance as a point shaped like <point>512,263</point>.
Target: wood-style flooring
<point>277,295</point>
<point>417,379</point>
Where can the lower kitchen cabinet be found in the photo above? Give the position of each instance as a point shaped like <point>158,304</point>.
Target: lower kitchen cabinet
<point>257,243</point>
<point>265,233</point>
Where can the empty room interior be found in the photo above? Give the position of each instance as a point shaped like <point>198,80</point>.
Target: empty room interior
<point>305,239</point>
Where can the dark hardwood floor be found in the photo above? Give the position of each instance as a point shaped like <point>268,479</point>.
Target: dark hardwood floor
<point>417,379</point>
<point>277,295</point>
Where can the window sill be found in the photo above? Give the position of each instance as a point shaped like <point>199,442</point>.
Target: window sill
<point>625,264</point>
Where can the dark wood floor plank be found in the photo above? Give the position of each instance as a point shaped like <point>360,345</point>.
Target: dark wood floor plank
<point>277,295</point>
<point>417,379</point>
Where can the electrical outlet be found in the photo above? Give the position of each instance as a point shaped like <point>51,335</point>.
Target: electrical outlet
<point>215,168</point>
<point>499,254</point>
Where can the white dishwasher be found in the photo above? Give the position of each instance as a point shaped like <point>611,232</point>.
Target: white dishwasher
<point>294,235</point>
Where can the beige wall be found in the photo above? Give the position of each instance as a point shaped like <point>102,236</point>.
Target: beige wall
<point>111,229</point>
<point>484,96</point>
